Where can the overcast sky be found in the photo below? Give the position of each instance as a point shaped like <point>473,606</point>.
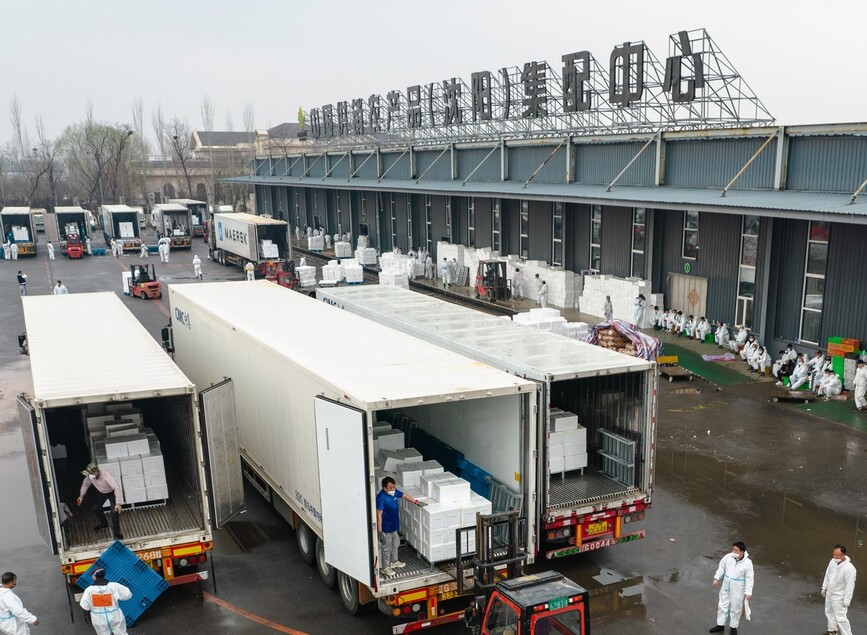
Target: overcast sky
<point>806,64</point>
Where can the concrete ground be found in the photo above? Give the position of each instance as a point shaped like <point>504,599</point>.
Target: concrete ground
<point>730,465</point>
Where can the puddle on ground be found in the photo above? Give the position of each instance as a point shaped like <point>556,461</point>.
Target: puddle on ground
<point>685,391</point>
<point>243,536</point>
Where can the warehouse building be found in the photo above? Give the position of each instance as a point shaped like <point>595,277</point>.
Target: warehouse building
<point>726,213</point>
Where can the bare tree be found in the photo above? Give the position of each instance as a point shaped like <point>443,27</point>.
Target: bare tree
<point>138,126</point>
<point>30,166</point>
<point>208,123</point>
<point>48,156</point>
<point>180,140</point>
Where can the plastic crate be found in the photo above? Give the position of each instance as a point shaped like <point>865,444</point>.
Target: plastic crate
<point>835,340</point>
<point>124,567</point>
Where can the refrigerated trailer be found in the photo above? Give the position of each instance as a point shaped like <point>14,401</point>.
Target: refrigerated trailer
<point>174,222</point>
<point>203,483</point>
<point>19,226</point>
<point>73,230</point>
<point>308,395</point>
<point>613,396</point>
<point>198,212</point>
<point>240,238</point>
<point>120,223</point>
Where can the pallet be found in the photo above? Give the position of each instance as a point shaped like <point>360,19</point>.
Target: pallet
<point>783,394</point>
<point>669,368</point>
<point>146,504</point>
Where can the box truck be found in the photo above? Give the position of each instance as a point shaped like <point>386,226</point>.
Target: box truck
<point>594,490</point>
<point>317,396</point>
<point>143,422</point>
<point>241,238</point>
<point>73,230</point>
<point>198,213</point>
<point>174,221</point>
<point>19,227</point>
<point>120,223</point>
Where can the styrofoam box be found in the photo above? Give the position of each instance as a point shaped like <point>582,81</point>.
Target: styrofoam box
<point>391,459</point>
<point>574,449</point>
<point>476,505</point>
<point>133,481</point>
<point>575,436</point>
<point>431,467</point>
<point>561,422</point>
<point>97,408</point>
<point>138,445</point>
<point>97,422</point>
<point>556,464</point>
<point>115,449</point>
<point>441,516</point>
<point>380,474</point>
<point>131,465</point>
<point>129,414</point>
<point>426,482</point>
<point>112,467</point>
<point>409,474</point>
<point>556,439</point>
<point>153,462</point>
<point>135,495</point>
<point>156,492</point>
<point>390,440</point>
<point>154,478</point>
<point>576,462</point>
<point>451,490</point>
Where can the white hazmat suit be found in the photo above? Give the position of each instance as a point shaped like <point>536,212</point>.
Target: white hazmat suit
<point>14,618</point>
<point>735,578</point>
<point>837,587</point>
<point>638,311</point>
<point>102,602</point>
<point>861,387</point>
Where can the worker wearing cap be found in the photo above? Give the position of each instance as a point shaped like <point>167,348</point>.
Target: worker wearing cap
<point>107,489</point>
<point>388,524</point>
<point>101,599</point>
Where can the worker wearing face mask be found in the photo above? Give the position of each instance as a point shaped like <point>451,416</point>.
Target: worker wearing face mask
<point>107,489</point>
<point>388,524</point>
<point>734,576</point>
<point>837,589</point>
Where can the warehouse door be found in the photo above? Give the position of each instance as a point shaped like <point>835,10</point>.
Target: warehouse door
<point>687,294</point>
<point>344,488</point>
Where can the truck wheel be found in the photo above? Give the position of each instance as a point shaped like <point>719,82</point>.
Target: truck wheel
<point>327,573</point>
<point>306,540</point>
<point>348,593</point>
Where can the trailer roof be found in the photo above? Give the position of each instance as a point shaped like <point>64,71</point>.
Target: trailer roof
<point>72,208</point>
<point>522,349</point>
<point>15,210</point>
<point>126,363</point>
<point>187,201</point>
<point>118,208</point>
<point>243,217</point>
<point>170,207</point>
<point>370,364</point>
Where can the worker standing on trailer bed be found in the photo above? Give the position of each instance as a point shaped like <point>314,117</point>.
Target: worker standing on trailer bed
<point>388,524</point>
<point>107,489</point>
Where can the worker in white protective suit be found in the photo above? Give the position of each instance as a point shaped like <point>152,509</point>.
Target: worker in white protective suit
<point>50,251</point>
<point>749,348</point>
<point>734,576</point>
<point>721,335</point>
<point>837,589</point>
<point>101,599</point>
<point>607,309</point>
<point>518,284</point>
<point>250,270</point>
<point>800,374</point>
<point>543,294</point>
<point>14,618</point>
<point>830,385</point>
<point>860,386</point>
<point>638,310</point>
<point>197,267</point>
<point>817,368</point>
<point>740,339</point>
<point>702,329</point>
<point>760,361</point>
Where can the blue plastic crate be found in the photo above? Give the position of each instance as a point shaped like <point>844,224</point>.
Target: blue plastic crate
<point>124,567</point>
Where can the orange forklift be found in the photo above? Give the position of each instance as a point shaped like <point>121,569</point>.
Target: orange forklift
<point>143,282</point>
<point>74,248</point>
<point>491,281</point>
<point>280,272</point>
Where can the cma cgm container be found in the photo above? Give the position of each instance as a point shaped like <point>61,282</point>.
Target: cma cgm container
<point>310,383</point>
<point>613,396</point>
<point>75,402</point>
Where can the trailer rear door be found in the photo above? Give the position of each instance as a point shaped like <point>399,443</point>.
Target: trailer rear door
<point>344,487</point>
<point>38,481</point>
<point>222,452</point>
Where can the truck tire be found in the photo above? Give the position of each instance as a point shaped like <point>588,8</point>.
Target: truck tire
<point>306,540</point>
<point>348,588</point>
<point>327,573</point>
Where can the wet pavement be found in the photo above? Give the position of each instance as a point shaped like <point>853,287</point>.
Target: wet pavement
<point>730,465</point>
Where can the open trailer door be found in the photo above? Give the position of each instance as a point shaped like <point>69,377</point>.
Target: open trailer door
<point>222,452</point>
<point>34,451</point>
<point>341,446</point>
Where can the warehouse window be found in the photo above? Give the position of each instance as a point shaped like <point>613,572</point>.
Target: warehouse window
<point>814,281</point>
<point>496,225</point>
<point>428,221</point>
<point>471,222</point>
<point>339,214</point>
<point>557,236</point>
<point>747,271</point>
<point>449,218</point>
<point>297,207</point>
<point>393,208</point>
<point>690,235</point>
<point>410,239</point>
<point>639,238</point>
<point>596,238</point>
<point>525,229</point>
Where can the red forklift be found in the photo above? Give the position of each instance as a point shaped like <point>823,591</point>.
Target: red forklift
<point>143,283</point>
<point>505,602</point>
<point>74,246</point>
<point>491,281</point>
<point>280,272</point>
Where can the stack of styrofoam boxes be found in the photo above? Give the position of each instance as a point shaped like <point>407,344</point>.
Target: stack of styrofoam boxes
<point>352,271</point>
<point>366,256</point>
<point>268,249</point>
<point>563,285</point>
<point>577,330</point>
<point>121,445</point>
<point>450,251</point>
<point>315,243</point>
<point>306,275</point>
<point>546,319</point>
<point>623,292</point>
<point>342,250</point>
<point>332,272</point>
<point>567,443</point>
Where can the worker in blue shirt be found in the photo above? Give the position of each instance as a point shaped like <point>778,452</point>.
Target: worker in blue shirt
<point>388,524</point>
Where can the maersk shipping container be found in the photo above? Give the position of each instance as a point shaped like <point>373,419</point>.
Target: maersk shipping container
<point>310,384</point>
<point>613,395</point>
<point>241,238</point>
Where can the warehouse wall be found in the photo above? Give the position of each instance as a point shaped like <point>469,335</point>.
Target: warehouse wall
<point>844,311</point>
<point>786,285</point>
<point>616,240</point>
<point>540,231</point>
<point>577,236</point>
<point>484,221</point>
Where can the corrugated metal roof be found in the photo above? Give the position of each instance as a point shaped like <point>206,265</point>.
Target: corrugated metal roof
<point>127,361</point>
<point>503,344</point>
<point>394,367</point>
<point>762,202</point>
